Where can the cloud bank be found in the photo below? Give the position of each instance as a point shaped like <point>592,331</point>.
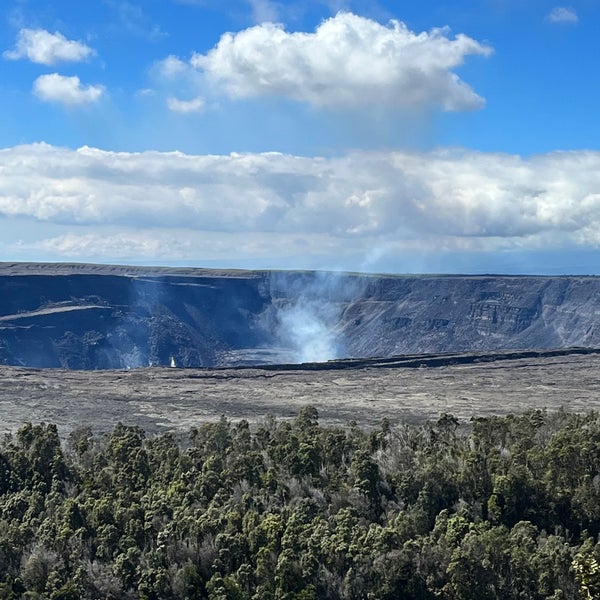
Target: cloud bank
<point>269,204</point>
<point>45,48</point>
<point>349,62</point>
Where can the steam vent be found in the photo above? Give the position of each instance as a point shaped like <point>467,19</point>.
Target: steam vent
<point>104,317</point>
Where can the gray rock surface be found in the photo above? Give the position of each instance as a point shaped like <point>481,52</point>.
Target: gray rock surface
<point>101,317</point>
<point>163,399</point>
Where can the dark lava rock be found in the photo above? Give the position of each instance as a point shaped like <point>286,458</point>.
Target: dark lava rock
<point>100,317</point>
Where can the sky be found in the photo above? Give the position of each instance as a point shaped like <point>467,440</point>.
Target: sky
<point>400,137</point>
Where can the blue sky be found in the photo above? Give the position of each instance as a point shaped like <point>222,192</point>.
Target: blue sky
<point>368,136</point>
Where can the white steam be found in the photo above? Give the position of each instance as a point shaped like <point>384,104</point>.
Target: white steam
<point>308,330</point>
<point>305,316</point>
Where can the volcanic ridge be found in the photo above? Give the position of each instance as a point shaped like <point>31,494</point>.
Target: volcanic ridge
<point>78,316</point>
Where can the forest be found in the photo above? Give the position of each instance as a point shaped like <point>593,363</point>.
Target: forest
<point>495,508</point>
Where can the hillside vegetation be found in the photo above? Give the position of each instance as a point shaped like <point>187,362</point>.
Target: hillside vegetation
<point>502,507</point>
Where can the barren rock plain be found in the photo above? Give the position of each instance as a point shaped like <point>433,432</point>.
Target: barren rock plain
<point>408,389</point>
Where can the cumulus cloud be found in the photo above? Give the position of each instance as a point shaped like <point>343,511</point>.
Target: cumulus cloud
<point>562,14</point>
<point>185,107</point>
<point>263,203</point>
<point>349,61</point>
<point>172,73</point>
<point>66,90</point>
<point>171,67</point>
<point>41,46</point>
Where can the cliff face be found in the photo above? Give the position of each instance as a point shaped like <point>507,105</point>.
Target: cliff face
<point>96,317</point>
<point>439,314</point>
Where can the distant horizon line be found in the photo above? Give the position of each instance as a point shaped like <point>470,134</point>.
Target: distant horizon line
<point>7,266</point>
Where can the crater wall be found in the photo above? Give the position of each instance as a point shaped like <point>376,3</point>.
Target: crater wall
<point>101,317</point>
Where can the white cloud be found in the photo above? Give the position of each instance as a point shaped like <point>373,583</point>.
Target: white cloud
<point>66,90</point>
<point>41,46</point>
<point>173,74</point>
<point>264,10</point>
<point>562,14</point>
<point>128,244</point>
<point>171,67</point>
<point>185,107</point>
<point>271,204</point>
<point>133,18</point>
<point>125,245</point>
<point>349,61</point>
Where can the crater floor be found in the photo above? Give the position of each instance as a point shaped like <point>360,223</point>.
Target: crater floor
<point>413,390</point>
